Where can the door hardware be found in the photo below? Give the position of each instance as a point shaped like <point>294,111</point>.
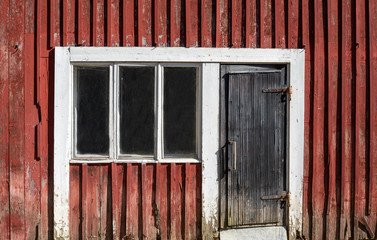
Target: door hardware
<point>287,90</point>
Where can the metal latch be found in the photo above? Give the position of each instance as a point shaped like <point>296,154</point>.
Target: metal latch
<point>280,90</point>
<point>283,196</point>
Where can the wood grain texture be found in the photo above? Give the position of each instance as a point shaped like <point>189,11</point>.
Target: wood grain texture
<point>333,112</point>
<point>346,122</point>
<point>4,123</point>
<point>319,165</point>
<point>340,107</point>
<point>16,118</point>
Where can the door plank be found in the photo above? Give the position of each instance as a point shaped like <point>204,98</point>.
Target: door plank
<point>257,122</point>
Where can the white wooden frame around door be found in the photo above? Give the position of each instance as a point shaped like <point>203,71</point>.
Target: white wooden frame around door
<point>210,60</point>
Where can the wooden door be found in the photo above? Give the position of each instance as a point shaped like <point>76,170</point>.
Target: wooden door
<point>254,137</point>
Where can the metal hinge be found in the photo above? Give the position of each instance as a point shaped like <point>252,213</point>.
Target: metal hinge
<point>280,90</point>
<point>283,196</point>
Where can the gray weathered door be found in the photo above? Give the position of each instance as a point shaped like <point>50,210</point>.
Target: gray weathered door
<point>254,120</point>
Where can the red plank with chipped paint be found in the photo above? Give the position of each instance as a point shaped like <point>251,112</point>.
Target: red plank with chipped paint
<point>75,202</point>
<point>4,123</point>
<point>280,23</point>
<point>372,40</point>
<point>222,23</point>
<point>207,33</point>
<point>360,174</point>
<point>134,202</point>
<point>84,19</point>
<point>318,121</point>
<point>293,23</point>
<point>333,110</point>
<point>129,34</point>
<point>236,26</point>
<point>266,24</point>
<point>16,101</point>
<point>308,136</point>
<point>346,122</point>
<point>176,24</point>
<point>251,24</point>
<point>161,23</point>
<point>144,23</point>
<point>69,16</point>
<point>113,23</point>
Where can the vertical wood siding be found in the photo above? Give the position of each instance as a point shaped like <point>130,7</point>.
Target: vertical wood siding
<point>164,200</point>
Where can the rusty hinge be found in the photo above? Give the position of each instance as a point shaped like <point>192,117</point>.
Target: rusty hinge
<point>280,90</point>
<point>283,196</point>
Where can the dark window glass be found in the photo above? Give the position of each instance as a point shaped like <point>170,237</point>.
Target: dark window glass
<point>180,87</point>
<point>136,110</point>
<point>92,108</point>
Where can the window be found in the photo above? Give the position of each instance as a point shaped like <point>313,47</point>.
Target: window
<point>136,112</point>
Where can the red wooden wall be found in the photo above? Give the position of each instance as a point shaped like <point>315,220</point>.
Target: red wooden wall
<point>340,183</point>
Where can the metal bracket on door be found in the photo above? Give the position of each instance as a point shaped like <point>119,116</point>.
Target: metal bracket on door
<point>287,90</point>
<point>234,155</point>
<point>283,196</point>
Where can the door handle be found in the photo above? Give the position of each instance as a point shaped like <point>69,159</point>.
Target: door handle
<point>234,154</point>
<point>283,196</point>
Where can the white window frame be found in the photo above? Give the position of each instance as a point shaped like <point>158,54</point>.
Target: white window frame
<point>114,117</point>
<point>209,59</point>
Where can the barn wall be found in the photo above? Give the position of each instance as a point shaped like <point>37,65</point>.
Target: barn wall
<point>340,39</point>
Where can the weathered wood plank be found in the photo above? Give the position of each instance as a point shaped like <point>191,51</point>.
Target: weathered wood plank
<point>99,35</point>
<point>307,37</point>
<point>144,23</point>
<point>133,202</point>
<point>333,110</point>
<point>318,120</point>
<point>69,22</point>
<point>251,24</point>
<point>293,23</point>
<point>360,120</point>
<point>75,202</point>
<point>93,202</point>
<point>347,119</point>
<point>84,29</point>
<point>236,24</point>
<point>161,23</point>
<point>106,229</point>
<point>266,30</point>
<point>222,24</point>
<point>16,117</point>
<point>280,23</point>
<point>148,201</point>
<point>176,18</point>
<point>372,7</point>
<point>207,23</point>
<point>55,23</point>
<point>4,122</point>
<point>129,32</point>
<point>113,23</point>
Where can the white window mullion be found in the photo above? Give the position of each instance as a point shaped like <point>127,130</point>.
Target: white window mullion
<point>114,138</point>
<point>158,112</point>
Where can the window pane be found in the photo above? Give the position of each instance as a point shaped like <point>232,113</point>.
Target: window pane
<point>180,86</point>
<point>136,110</point>
<point>92,109</point>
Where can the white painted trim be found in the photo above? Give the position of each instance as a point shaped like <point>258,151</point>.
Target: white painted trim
<point>211,58</point>
<point>62,142</point>
<point>296,142</point>
<point>210,142</point>
<point>169,54</point>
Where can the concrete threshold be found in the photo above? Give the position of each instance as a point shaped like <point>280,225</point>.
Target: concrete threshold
<point>257,233</point>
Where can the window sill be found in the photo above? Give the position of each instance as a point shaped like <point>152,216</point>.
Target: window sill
<point>104,161</point>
